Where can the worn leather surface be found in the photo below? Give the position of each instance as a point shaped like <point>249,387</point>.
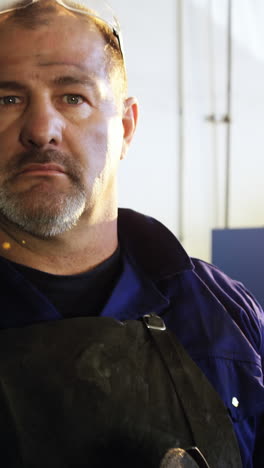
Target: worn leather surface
<point>87,392</point>
<point>178,458</point>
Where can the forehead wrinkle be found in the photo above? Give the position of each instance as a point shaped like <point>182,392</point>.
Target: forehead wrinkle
<point>88,77</point>
<point>56,64</point>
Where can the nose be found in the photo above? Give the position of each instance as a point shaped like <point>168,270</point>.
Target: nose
<point>42,125</point>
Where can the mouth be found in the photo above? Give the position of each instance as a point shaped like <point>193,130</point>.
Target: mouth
<point>41,169</point>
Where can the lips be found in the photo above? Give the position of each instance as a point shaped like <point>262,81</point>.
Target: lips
<point>42,168</point>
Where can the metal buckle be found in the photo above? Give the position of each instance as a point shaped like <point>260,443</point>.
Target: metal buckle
<point>154,322</point>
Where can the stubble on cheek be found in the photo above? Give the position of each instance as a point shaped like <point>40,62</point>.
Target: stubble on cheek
<point>43,207</point>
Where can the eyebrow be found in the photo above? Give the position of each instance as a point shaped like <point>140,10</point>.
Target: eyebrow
<point>10,85</point>
<point>70,80</point>
<point>67,80</point>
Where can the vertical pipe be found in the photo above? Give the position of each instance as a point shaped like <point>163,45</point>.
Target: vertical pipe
<point>228,117</point>
<point>212,110</point>
<point>181,122</point>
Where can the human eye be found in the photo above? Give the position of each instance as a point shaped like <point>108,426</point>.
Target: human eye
<point>73,99</point>
<point>9,100</point>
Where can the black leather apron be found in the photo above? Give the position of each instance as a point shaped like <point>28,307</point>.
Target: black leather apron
<point>95,392</point>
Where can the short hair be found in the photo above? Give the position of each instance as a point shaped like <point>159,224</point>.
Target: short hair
<point>36,15</point>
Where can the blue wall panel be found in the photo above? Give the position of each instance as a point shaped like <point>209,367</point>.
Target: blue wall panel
<point>240,254</point>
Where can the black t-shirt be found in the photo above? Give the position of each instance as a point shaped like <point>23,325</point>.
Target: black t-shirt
<point>77,295</point>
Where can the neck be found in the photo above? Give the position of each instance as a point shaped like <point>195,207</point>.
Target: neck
<point>76,251</point>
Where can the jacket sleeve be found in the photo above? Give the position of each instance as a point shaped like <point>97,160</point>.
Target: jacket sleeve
<point>248,315</point>
<point>240,304</point>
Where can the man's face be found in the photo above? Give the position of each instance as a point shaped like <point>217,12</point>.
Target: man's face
<point>61,127</point>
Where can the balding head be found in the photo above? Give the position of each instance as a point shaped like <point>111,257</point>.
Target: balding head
<point>44,12</point>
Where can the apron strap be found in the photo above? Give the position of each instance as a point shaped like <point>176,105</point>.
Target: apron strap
<point>179,458</point>
<point>216,440</point>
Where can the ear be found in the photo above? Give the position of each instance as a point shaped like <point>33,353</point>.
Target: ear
<point>130,118</point>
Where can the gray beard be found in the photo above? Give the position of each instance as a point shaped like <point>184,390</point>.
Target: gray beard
<point>41,213</point>
<point>44,219</point>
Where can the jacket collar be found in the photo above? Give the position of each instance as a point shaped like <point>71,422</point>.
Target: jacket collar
<point>151,253</point>
<point>134,295</point>
<point>150,244</point>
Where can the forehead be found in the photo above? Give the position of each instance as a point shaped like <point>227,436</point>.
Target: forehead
<point>65,40</point>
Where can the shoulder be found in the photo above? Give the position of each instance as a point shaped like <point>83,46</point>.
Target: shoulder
<point>194,287</point>
<point>236,299</point>
<point>226,287</point>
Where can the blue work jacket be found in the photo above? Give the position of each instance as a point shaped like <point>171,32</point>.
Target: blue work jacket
<point>215,318</point>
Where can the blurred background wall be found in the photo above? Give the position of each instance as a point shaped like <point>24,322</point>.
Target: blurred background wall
<point>194,65</point>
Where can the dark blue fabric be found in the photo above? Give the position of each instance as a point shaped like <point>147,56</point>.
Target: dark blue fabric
<point>214,317</point>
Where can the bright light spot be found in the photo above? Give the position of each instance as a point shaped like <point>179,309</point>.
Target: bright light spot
<point>235,402</point>
<point>6,245</point>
